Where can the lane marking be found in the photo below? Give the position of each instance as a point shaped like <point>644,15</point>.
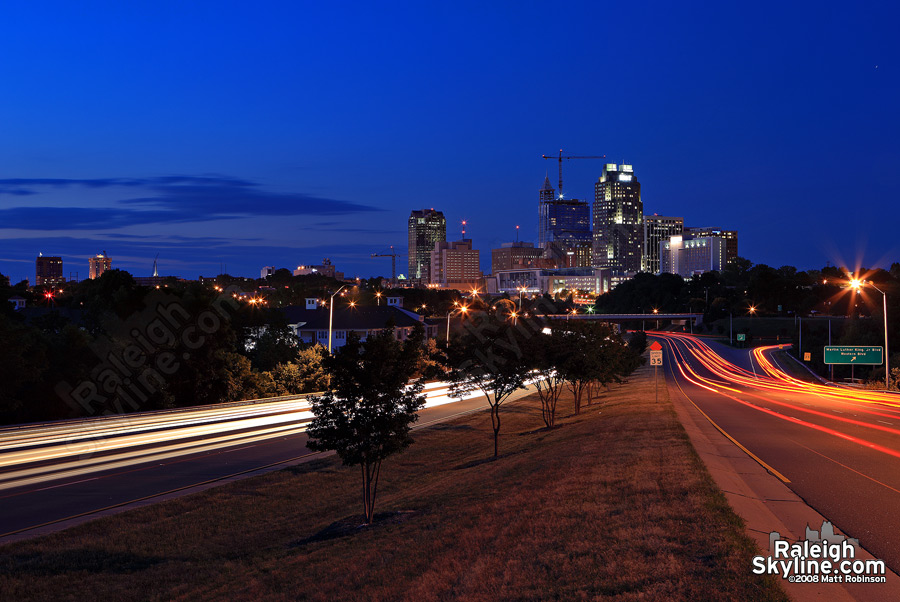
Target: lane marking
<point>848,468</point>
<point>758,460</point>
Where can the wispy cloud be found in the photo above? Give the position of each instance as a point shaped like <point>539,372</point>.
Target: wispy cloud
<point>167,199</point>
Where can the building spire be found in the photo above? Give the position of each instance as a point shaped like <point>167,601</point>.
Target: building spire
<point>547,185</point>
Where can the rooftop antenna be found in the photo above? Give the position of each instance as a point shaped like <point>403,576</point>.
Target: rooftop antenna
<point>517,234</point>
<point>464,229</point>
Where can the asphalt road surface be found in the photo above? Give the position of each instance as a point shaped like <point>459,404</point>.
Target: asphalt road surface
<point>838,449</point>
<point>55,475</point>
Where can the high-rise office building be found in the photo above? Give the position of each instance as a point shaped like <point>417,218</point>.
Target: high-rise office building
<point>658,228</point>
<point>455,265</point>
<point>687,255</point>
<point>729,236</point>
<point>564,228</point>
<point>48,271</point>
<point>426,227</point>
<point>618,220</point>
<point>99,264</point>
<point>561,219</point>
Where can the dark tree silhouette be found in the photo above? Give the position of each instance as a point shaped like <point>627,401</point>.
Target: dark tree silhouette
<point>367,414</point>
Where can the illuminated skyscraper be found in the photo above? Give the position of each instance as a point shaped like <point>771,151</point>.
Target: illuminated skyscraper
<point>562,219</point>
<point>99,264</point>
<point>426,227</point>
<point>564,227</point>
<point>618,220</point>
<point>658,228</point>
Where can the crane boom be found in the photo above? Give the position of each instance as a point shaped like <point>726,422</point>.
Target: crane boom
<point>561,157</point>
<point>393,255</point>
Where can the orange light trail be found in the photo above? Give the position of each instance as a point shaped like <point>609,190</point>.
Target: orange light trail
<point>770,378</point>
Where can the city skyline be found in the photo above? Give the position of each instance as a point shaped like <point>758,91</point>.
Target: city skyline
<point>145,131</point>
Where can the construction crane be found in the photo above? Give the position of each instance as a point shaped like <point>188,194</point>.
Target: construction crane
<point>561,157</point>
<point>393,255</point>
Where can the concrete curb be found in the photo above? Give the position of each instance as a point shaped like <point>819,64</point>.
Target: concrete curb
<point>766,504</point>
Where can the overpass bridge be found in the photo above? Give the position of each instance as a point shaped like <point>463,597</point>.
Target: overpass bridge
<point>689,318</point>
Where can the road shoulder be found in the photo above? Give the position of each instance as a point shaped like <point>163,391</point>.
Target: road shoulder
<point>766,504</point>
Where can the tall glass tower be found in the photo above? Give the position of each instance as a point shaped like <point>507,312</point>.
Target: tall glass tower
<point>618,220</point>
<point>563,223</point>
<point>426,227</point>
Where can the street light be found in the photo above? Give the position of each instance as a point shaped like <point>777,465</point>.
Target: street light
<point>857,285</point>
<point>656,311</point>
<point>378,297</point>
<point>463,309</point>
<point>331,315</point>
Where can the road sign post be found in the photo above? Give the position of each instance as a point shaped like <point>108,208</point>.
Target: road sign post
<point>656,362</point>
<point>872,356</point>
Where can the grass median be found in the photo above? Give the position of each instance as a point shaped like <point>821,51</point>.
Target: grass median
<point>611,503</point>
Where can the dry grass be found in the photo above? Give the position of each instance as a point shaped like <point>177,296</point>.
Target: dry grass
<point>613,503</point>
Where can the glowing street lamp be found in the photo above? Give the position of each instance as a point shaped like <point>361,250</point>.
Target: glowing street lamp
<point>463,310</point>
<point>856,285</point>
<point>378,297</point>
<point>331,315</point>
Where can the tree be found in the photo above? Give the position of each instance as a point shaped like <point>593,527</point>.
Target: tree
<point>305,375</point>
<point>576,366</point>
<point>489,359</point>
<point>544,352</point>
<point>367,414</point>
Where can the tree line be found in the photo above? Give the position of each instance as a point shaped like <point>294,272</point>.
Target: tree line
<point>376,385</point>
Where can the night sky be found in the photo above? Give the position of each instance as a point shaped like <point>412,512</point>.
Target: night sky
<point>244,134</point>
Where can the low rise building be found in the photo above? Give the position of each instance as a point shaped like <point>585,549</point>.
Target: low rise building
<point>310,323</point>
<point>515,255</point>
<point>325,269</point>
<point>539,281</point>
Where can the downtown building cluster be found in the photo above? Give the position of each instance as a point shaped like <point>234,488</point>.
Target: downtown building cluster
<point>583,247</point>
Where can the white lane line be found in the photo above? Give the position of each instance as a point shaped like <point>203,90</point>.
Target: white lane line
<point>67,484</point>
<point>883,422</point>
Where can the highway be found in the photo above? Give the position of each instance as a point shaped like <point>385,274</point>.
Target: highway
<point>53,475</point>
<point>838,449</point>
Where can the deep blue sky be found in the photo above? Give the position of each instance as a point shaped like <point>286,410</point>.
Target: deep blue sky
<point>279,133</point>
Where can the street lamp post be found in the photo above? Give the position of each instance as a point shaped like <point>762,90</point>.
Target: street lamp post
<point>463,310</point>
<point>856,284</point>
<point>331,315</point>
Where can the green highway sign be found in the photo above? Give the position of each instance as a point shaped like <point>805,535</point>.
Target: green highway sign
<point>854,355</point>
<point>741,337</point>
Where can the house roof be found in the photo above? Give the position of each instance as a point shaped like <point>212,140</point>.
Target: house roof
<point>350,318</point>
